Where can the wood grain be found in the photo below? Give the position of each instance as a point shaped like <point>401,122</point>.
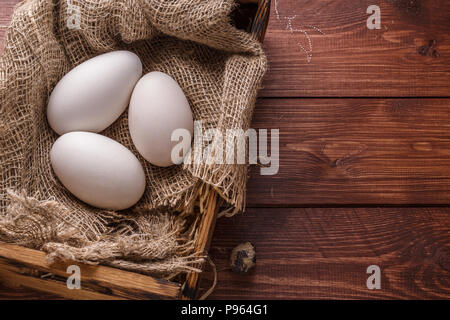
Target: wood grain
<point>324,253</point>
<point>355,151</point>
<point>26,268</point>
<point>351,60</point>
<point>20,293</point>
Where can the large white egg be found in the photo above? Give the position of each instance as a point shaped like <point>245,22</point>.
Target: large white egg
<point>98,170</point>
<point>95,93</point>
<point>158,106</point>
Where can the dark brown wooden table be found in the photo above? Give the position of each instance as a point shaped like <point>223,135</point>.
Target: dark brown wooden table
<point>364,179</point>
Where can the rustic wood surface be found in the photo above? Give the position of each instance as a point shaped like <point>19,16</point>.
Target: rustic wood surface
<point>347,59</point>
<point>324,253</point>
<point>374,172</point>
<point>355,151</point>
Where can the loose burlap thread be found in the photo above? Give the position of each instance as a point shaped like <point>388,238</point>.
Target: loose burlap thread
<point>219,68</point>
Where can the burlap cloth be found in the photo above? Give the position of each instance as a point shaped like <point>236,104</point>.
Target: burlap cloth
<point>219,68</point>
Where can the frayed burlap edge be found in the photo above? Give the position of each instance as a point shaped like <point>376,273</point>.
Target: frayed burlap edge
<point>159,244</point>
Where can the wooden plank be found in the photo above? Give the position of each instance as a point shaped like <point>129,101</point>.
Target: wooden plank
<point>351,60</point>
<point>20,293</point>
<point>324,253</point>
<point>24,278</point>
<point>25,268</point>
<point>355,151</point>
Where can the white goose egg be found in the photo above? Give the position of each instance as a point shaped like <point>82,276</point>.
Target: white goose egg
<point>158,106</point>
<point>95,93</point>
<point>98,170</point>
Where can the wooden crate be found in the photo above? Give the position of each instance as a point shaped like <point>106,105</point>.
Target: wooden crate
<point>23,268</point>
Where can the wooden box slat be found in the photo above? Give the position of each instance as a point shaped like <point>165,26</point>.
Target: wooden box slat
<point>25,267</point>
<point>203,241</point>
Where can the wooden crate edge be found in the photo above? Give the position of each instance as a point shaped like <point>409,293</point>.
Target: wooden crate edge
<point>206,229</point>
<point>203,241</point>
<point>20,266</point>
